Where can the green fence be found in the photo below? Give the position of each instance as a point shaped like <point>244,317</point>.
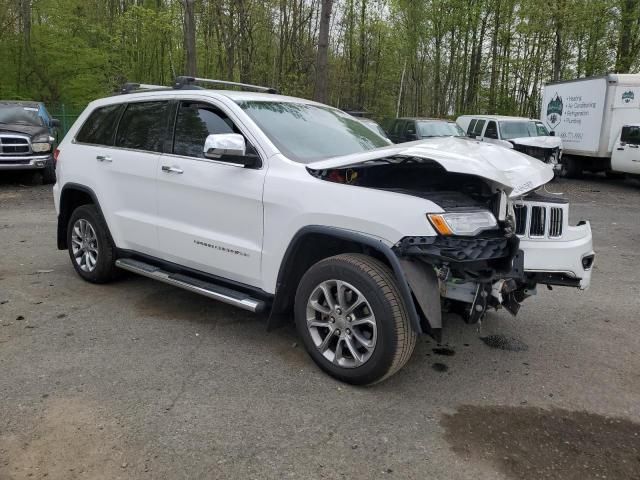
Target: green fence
<point>67,114</point>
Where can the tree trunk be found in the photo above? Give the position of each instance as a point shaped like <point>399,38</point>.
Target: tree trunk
<point>190,37</point>
<point>322,74</point>
<point>628,41</point>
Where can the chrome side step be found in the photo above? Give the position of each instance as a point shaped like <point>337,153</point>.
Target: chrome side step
<point>207,289</point>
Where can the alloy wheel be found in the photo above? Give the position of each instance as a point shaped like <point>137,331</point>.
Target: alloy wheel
<point>341,323</point>
<point>84,245</point>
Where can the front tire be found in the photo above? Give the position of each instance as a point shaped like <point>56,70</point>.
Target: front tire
<point>91,250</point>
<point>49,173</point>
<point>352,319</point>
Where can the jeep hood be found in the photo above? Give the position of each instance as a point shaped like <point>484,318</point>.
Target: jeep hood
<point>513,171</point>
<point>542,141</point>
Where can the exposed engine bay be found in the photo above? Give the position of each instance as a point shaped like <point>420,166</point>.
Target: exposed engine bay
<point>468,274</point>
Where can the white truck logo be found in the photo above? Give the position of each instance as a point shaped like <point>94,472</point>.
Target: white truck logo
<point>554,112</point>
<point>628,96</point>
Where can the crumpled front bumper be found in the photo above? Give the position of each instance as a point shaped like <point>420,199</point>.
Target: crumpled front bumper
<point>567,261</point>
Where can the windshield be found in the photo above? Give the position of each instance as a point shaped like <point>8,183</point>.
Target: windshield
<point>20,115</point>
<point>306,133</point>
<point>542,130</point>
<point>374,126</point>
<point>524,128</point>
<point>439,129</point>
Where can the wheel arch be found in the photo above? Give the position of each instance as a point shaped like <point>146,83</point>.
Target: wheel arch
<point>72,196</point>
<point>316,242</point>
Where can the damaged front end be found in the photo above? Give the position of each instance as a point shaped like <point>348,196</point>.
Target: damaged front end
<point>468,275</point>
<point>488,241</point>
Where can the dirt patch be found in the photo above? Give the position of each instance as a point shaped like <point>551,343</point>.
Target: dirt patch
<point>440,367</point>
<point>531,443</point>
<point>72,439</point>
<point>504,342</point>
<point>447,352</point>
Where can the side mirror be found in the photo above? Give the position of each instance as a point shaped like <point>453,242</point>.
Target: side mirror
<point>230,148</point>
<point>55,123</point>
<point>552,133</point>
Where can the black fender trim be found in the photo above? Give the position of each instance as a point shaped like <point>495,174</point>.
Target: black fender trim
<point>63,217</point>
<point>279,302</point>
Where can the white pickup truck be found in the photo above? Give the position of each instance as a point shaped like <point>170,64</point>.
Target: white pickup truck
<point>598,120</point>
<point>282,205</point>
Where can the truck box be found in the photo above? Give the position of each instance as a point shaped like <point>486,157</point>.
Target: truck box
<point>589,113</point>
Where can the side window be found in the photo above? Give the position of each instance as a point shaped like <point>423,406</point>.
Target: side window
<point>492,130</point>
<point>398,127</point>
<point>195,121</point>
<point>100,127</point>
<point>472,125</point>
<point>143,126</point>
<point>477,129</point>
<point>630,135</point>
<point>410,128</point>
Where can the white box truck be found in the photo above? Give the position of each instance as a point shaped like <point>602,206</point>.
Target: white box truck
<point>598,120</point>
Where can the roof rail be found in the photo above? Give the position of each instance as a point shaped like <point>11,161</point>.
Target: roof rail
<point>184,82</point>
<point>131,87</point>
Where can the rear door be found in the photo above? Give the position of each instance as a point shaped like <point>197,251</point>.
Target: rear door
<point>626,152</point>
<point>126,175</point>
<point>211,214</point>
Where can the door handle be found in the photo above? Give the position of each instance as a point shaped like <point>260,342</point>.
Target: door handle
<point>633,146</point>
<point>104,158</point>
<point>168,169</point>
<point>620,148</point>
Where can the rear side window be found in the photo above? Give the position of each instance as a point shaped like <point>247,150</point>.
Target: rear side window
<point>630,135</point>
<point>477,130</point>
<point>100,126</point>
<point>194,123</point>
<point>472,125</point>
<point>143,126</point>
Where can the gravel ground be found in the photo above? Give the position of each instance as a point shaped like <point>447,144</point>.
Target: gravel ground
<point>140,380</point>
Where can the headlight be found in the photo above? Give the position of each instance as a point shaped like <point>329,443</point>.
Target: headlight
<point>42,143</point>
<point>464,223</point>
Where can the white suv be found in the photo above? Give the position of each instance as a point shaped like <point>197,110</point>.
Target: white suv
<point>283,205</point>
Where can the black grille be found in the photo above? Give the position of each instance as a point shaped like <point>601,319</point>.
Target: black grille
<point>538,218</point>
<point>521,219</point>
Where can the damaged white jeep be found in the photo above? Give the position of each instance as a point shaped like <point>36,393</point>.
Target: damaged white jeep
<point>282,205</point>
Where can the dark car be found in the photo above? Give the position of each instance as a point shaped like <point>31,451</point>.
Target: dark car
<point>27,138</point>
<point>401,130</point>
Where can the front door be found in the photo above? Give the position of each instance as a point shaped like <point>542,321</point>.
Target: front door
<point>625,156</point>
<point>210,212</point>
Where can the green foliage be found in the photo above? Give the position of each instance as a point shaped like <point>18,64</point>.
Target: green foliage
<point>457,55</point>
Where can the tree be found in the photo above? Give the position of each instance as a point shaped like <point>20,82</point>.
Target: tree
<point>629,36</point>
<point>322,59</point>
<point>190,38</point>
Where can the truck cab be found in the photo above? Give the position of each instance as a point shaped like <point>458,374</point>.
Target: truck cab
<point>523,134</point>
<point>625,157</point>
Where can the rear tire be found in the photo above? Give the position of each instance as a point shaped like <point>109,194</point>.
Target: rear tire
<point>569,168</point>
<point>365,337</point>
<point>92,253</point>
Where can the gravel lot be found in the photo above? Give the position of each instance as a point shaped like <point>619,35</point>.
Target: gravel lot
<point>140,380</point>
